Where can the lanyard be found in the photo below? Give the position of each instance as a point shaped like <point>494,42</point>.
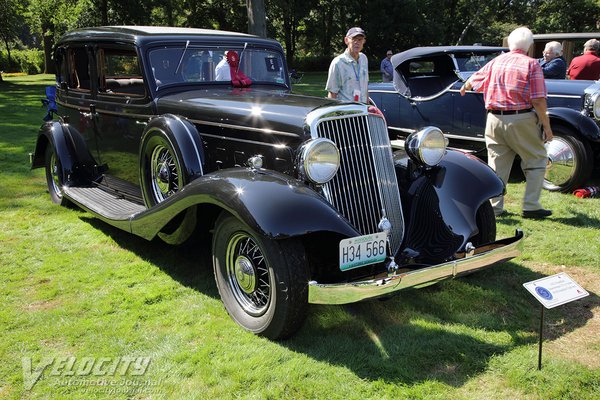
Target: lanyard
<point>356,71</point>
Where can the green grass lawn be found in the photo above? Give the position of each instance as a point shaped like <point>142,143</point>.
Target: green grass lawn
<point>75,289</point>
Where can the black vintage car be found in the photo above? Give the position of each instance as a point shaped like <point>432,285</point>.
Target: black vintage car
<point>425,92</point>
<point>168,132</point>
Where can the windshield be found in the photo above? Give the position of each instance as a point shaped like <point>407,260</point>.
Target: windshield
<point>468,63</point>
<point>177,64</point>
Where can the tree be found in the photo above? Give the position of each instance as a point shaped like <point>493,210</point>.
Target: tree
<point>10,24</point>
<point>257,17</point>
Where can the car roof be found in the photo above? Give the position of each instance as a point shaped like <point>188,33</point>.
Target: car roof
<point>141,34</point>
<point>421,52</point>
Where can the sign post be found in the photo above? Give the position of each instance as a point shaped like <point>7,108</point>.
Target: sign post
<point>553,291</point>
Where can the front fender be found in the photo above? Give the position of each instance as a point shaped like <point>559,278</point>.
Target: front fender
<point>463,182</point>
<point>186,141</point>
<point>441,203</point>
<point>584,125</point>
<point>271,203</point>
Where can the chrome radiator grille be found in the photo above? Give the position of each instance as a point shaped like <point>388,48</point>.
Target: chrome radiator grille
<point>365,188</point>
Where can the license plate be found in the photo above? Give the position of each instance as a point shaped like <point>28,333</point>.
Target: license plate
<point>363,250</point>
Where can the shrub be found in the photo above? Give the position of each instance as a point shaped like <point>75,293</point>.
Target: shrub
<point>312,63</point>
<point>30,61</point>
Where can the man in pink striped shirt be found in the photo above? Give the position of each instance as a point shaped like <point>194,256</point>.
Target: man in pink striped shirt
<point>513,87</point>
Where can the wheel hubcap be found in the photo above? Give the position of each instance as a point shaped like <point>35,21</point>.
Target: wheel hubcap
<point>245,275</point>
<point>562,162</point>
<point>248,274</point>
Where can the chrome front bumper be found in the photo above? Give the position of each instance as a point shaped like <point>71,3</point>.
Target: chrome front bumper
<point>351,292</point>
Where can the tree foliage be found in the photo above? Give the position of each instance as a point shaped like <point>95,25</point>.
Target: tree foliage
<point>310,28</point>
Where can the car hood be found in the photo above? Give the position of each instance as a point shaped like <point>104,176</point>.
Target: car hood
<point>250,107</point>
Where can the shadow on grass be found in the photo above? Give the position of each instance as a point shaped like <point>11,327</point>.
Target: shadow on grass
<point>447,332</point>
<point>189,264</point>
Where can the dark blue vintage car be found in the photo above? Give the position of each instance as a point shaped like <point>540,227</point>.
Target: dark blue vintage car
<point>425,92</point>
<point>182,134</point>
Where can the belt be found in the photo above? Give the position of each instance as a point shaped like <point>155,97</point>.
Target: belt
<point>510,112</point>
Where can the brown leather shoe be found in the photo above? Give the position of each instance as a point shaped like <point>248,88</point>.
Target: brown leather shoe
<point>538,214</point>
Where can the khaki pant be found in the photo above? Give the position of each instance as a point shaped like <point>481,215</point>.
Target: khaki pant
<point>507,136</point>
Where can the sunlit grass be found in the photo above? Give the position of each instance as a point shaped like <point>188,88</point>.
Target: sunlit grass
<point>74,286</point>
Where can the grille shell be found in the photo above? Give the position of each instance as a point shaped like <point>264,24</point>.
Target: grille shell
<point>365,188</point>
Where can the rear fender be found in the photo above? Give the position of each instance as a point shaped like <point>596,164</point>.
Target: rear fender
<point>271,203</point>
<point>70,148</point>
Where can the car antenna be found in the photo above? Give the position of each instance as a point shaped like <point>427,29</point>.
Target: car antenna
<point>187,43</point>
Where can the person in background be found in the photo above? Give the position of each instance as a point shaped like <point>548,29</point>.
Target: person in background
<point>586,66</point>
<point>348,76</point>
<point>513,86</point>
<point>553,64</point>
<point>386,68</point>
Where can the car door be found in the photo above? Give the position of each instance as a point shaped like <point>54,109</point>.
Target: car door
<point>123,109</point>
<point>76,90</point>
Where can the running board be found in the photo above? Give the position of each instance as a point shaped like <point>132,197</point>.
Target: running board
<point>112,208</point>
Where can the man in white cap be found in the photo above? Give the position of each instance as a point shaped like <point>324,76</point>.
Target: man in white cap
<point>349,72</point>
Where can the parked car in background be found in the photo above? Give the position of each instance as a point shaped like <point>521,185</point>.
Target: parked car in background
<point>168,132</point>
<point>425,92</point>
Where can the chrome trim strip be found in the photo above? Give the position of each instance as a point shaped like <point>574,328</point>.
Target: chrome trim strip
<point>484,257</point>
<point>244,128</point>
<point>566,96</point>
<point>383,91</point>
<point>470,138</point>
<point>406,130</point>
<point>279,146</point>
<point>101,111</point>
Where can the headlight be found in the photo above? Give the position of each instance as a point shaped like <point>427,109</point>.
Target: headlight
<point>319,160</point>
<point>427,146</point>
<point>596,105</point>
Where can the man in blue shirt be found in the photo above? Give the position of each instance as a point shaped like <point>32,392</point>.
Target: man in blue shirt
<point>553,65</point>
<point>386,68</point>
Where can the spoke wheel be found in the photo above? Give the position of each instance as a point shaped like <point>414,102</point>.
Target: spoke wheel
<point>248,275</point>
<point>165,173</point>
<point>262,282</point>
<point>54,177</point>
<point>569,162</point>
<point>161,168</point>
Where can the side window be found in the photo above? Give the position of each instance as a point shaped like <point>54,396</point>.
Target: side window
<point>62,65</point>
<point>421,67</point>
<point>79,69</point>
<point>120,73</point>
